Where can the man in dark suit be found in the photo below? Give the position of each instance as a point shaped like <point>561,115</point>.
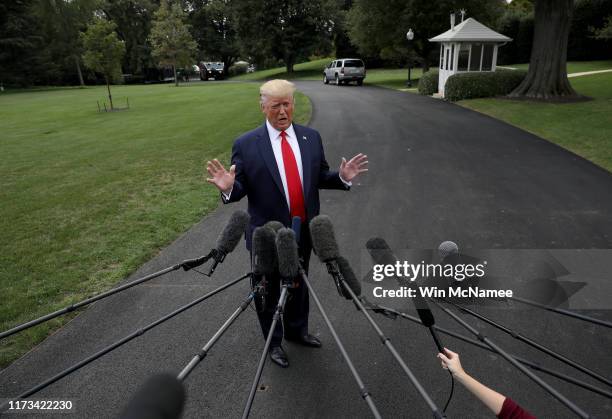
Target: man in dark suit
<point>280,167</point>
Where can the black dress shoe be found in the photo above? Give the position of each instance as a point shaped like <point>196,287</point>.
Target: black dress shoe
<point>306,340</point>
<point>279,357</point>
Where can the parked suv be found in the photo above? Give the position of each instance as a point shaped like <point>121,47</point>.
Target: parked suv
<point>214,70</point>
<point>345,70</point>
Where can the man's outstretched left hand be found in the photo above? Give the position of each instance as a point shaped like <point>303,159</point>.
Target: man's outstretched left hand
<point>350,169</point>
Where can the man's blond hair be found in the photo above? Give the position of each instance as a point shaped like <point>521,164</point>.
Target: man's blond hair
<point>276,88</point>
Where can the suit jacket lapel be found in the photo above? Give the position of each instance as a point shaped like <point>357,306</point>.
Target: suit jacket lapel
<point>267,154</point>
<point>305,152</point>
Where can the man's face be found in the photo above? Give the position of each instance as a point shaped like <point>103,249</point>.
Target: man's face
<point>279,111</point>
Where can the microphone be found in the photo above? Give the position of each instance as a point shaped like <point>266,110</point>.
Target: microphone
<point>274,225</point>
<point>161,397</point>
<point>229,238</point>
<point>382,254</point>
<point>449,252</point>
<point>326,248</point>
<point>264,251</point>
<point>288,258</point>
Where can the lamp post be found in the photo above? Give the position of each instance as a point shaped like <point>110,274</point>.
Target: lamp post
<point>409,37</point>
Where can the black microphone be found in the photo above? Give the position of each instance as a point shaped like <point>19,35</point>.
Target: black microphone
<point>382,254</point>
<point>288,258</point>
<point>161,397</point>
<point>264,251</point>
<point>326,248</point>
<point>229,238</point>
<point>274,225</point>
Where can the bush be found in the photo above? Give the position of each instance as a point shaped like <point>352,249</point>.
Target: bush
<point>428,83</point>
<point>237,69</point>
<point>472,85</point>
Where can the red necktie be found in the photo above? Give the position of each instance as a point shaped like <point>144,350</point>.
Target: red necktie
<point>294,184</point>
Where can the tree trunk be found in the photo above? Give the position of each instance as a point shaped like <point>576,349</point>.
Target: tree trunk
<point>290,60</point>
<point>110,98</point>
<point>547,75</point>
<point>175,78</point>
<point>78,67</point>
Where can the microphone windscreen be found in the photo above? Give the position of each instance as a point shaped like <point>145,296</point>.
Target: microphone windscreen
<point>233,232</point>
<point>426,316</point>
<point>161,397</point>
<point>323,239</point>
<point>380,251</point>
<point>287,250</point>
<point>447,248</point>
<point>349,276</point>
<point>274,225</point>
<point>264,251</point>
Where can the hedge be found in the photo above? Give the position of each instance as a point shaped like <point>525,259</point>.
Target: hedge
<point>486,84</point>
<point>428,83</point>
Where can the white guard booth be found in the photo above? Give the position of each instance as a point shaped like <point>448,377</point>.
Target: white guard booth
<point>469,46</point>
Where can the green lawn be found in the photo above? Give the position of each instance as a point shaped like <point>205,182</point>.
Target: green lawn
<point>584,128</point>
<point>576,66</point>
<point>87,197</point>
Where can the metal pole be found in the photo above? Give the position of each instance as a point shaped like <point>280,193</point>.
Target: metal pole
<point>365,394</point>
<point>564,400</point>
<point>535,345</point>
<point>117,344</point>
<point>90,300</point>
<point>204,351</point>
<point>564,312</point>
<point>387,343</point>
<point>262,361</point>
<point>523,361</point>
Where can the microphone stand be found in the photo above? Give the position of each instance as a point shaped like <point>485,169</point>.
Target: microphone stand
<point>119,343</point>
<point>186,265</point>
<point>365,394</point>
<point>392,313</point>
<point>387,343</point>
<point>204,351</point>
<point>563,312</point>
<point>564,400</point>
<point>279,310</point>
<point>535,344</point>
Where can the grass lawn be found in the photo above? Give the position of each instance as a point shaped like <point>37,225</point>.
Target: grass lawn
<point>584,128</point>
<point>87,197</point>
<point>576,66</point>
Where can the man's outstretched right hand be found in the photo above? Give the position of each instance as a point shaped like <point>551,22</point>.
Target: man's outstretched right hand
<point>221,178</point>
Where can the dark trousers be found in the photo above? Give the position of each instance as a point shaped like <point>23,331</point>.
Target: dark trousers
<point>295,316</point>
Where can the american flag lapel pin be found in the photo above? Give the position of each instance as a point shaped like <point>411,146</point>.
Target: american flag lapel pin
<point>304,137</point>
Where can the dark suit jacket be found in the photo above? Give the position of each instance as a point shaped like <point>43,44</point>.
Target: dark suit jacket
<point>258,178</point>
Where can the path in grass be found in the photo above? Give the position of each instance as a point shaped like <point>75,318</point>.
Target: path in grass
<point>585,128</point>
<point>87,197</point>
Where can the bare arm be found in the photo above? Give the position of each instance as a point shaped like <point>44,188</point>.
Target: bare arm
<point>491,398</point>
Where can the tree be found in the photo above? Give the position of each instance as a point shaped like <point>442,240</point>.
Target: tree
<point>378,27</point>
<point>61,21</point>
<point>547,75</point>
<point>103,51</point>
<point>288,30</point>
<point>606,31</point>
<point>172,43</point>
<point>20,42</point>
<point>133,19</point>
<point>213,26</point>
